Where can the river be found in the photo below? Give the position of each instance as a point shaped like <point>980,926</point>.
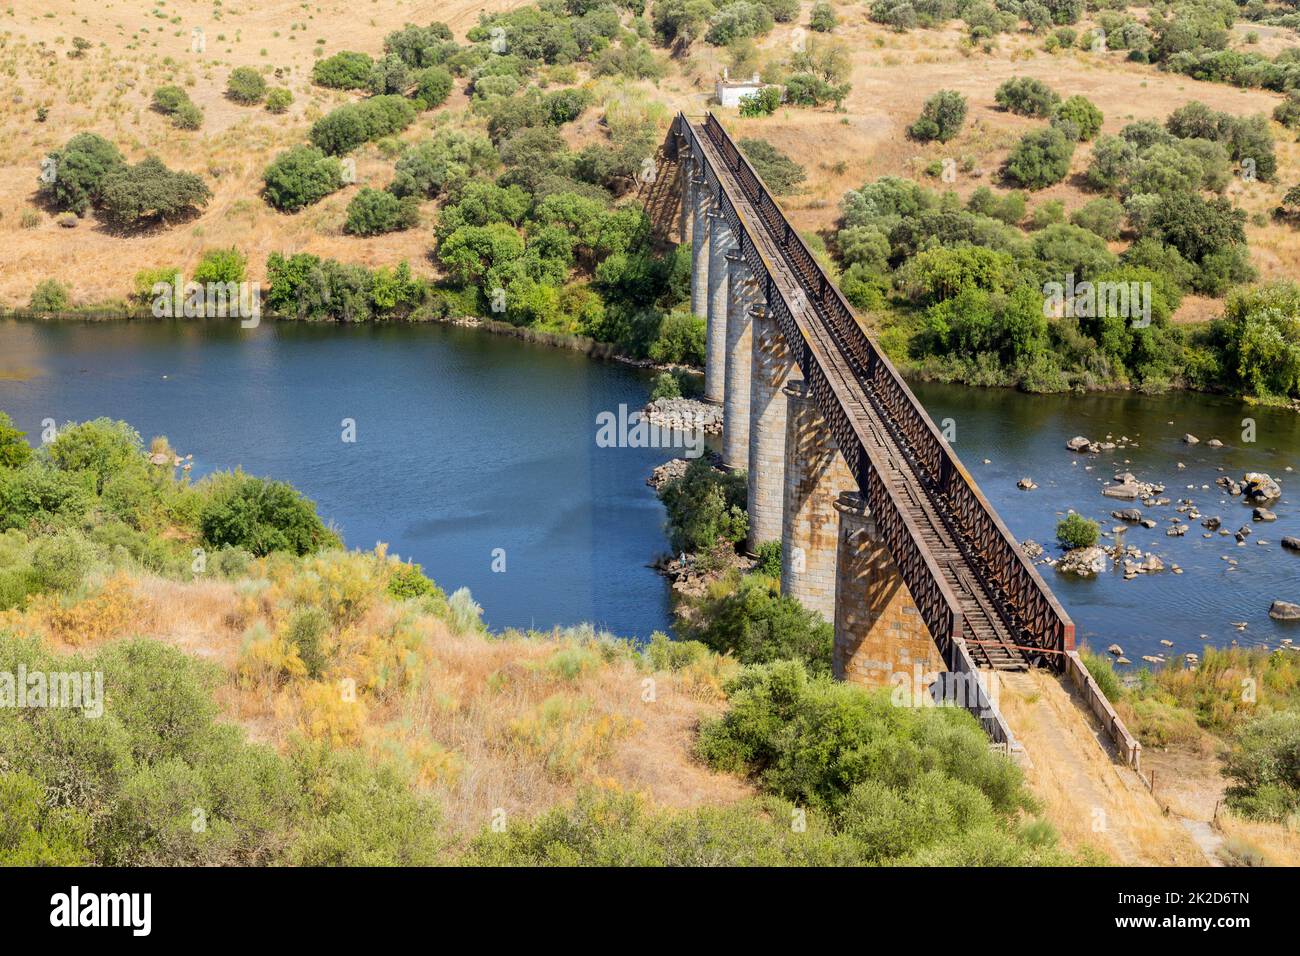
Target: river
<point>467,443</point>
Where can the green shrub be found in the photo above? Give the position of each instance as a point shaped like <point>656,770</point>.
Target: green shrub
<point>432,87</point>
<point>1027,96</point>
<point>72,177</point>
<point>941,117</point>
<point>816,742</point>
<point>665,386</point>
<point>1104,217</point>
<point>60,563</point>
<point>705,507</point>
<point>279,100</point>
<point>221,265</point>
<point>300,177</point>
<point>14,450</point>
<point>680,340</point>
<point>822,17</point>
<point>374,211</point>
<point>1078,118</point>
<point>246,86</point>
<point>781,174</point>
<point>758,625</point>
<point>50,295</point>
<point>406,581</point>
<point>1076,531</point>
<point>769,559</point>
<point>1040,159</point>
<point>260,516</point>
<point>1264,767</point>
<point>352,124</point>
<point>343,71</point>
<point>101,448</point>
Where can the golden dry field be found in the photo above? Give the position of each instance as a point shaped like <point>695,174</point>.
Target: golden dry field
<point>138,46</point>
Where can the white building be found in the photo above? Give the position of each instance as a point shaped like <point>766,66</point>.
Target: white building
<point>729,91</point>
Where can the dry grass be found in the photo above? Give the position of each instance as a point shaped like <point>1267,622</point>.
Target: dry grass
<point>517,723</point>
<point>108,92</point>
<point>1091,799</point>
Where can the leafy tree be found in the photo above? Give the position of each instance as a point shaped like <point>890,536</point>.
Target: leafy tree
<point>1260,337</point>
<point>822,17</point>
<point>1264,767</point>
<point>763,102</point>
<point>757,625</point>
<point>1078,118</point>
<point>149,190</point>
<point>1062,249</point>
<point>343,71</point>
<point>443,164</point>
<point>246,86</point>
<point>941,117</point>
<point>260,516</point>
<point>102,448</point>
<point>1040,159</point>
<point>300,177</point>
<point>1288,111</point>
<point>1113,161</point>
<point>705,508</point>
<point>778,171</point>
<point>14,450</point>
<point>350,125</point>
<point>279,100</point>
<point>470,252</point>
<point>373,211</point>
<point>738,19</point>
<point>50,295</point>
<point>221,265</point>
<point>1197,227</point>
<point>1104,217</point>
<point>680,340</point>
<point>1027,96</point>
<point>421,47</point>
<point>432,87</point>
<point>1076,531</point>
<point>681,21</point>
<point>390,75</point>
<point>73,176</point>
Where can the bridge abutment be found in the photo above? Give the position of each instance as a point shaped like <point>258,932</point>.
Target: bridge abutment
<point>815,474</point>
<point>771,364</point>
<point>721,245</point>
<point>878,630</point>
<point>745,292</point>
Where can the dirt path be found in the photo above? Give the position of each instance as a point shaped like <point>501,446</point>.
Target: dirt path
<point>1092,799</point>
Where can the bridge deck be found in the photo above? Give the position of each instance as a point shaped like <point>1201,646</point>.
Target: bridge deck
<point>988,634</point>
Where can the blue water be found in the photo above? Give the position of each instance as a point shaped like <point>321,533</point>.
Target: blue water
<point>466,443</point>
<point>469,442</point>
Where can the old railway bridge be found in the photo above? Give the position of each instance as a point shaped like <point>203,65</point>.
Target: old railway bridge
<point>882,529</point>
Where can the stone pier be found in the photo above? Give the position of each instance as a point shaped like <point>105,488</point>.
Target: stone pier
<point>746,292</point>
<point>685,176</point>
<point>721,245</point>
<point>815,475</point>
<point>771,364</point>
<point>878,630</point>
<point>702,202</point>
